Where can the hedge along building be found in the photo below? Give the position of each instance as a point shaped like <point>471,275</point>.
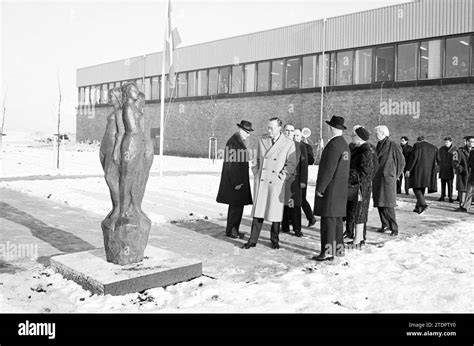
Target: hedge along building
<point>408,66</point>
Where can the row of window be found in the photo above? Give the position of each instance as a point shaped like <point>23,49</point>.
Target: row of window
<point>427,59</point>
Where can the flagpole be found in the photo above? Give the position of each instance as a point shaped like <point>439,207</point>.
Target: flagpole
<point>162,108</point>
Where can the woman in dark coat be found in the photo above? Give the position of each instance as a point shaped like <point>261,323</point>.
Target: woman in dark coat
<point>361,172</point>
<point>461,168</point>
<point>234,188</point>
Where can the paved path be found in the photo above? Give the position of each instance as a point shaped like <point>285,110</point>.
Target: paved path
<point>57,228</point>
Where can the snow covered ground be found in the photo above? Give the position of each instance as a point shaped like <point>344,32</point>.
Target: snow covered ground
<point>431,272</point>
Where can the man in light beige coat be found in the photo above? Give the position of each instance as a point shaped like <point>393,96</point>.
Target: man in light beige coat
<point>275,163</point>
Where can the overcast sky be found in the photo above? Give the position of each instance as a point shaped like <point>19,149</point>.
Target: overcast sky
<point>43,39</point>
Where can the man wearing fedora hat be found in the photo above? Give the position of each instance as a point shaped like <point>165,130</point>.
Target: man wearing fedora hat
<point>234,188</point>
<point>331,191</point>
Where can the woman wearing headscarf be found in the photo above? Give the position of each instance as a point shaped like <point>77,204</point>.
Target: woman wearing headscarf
<point>361,173</point>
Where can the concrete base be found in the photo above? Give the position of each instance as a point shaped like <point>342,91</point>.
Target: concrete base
<point>159,268</point>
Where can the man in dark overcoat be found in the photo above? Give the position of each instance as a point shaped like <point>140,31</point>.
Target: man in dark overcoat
<point>422,170</point>
<point>294,186</point>
<point>308,212</point>
<point>234,188</point>
<point>406,149</point>
<point>446,168</point>
<point>331,191</point>
<point>390,163</point>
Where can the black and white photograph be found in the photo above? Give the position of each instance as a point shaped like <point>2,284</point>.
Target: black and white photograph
<point>268,158</point>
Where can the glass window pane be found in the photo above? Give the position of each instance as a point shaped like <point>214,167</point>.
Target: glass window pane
<point>363,66</point>
<point>104,94</point>
<point>87,96</point>
<point>472,55</point>
<point>250,77</point>
<point>202,83</point>
<point>323,65</point>
<point>93,94</point>
<point>310,72</point>
<point>406,61</point>
<point>192,83</point>
<point>263,74</point>
<point>344,68</point>
<point>224,73</point>
<point>384,63</point>
<point>155,88</point>
<point>236,79</point>
<point>167,87</point>
<point>430,59</point>
<point>292,73</point>
<point>147,88</point>
<point>213,76</point>
<point>332,69</point>
<point>140,85</point>
<point>111,86</point>
<point>182,85</point>
<point>457,57</point>
<point>277,75</point>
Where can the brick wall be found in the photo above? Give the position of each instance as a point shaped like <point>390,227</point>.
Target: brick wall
<point>443,110</point>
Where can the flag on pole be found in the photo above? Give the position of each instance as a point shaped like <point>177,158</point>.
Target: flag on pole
<point>173,40</point>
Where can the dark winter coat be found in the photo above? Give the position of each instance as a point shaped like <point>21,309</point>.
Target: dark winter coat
<point>293,191</point>
<point>461,167</point>
<point>471,166</point>
<point>361,172</point>
<point>235,171</point>
<point>389,167</point>
<point>445,161</point>
<point>423,166</point>
<point>406,149</point>
<point>309,150</point>
<point>333,175</point>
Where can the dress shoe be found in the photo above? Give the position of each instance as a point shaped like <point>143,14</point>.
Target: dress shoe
<point>348,234</point>
<point>248,245</point>
<point>394,233</point>
<point>383,230</point>
<point>275,245</point>
<point>451,200</point>
<point>441,199</point>
<point>416,210</point>
<point>299,234</point>
<point>235,236</point>
<point>351,245</point>
<point>461,209</point>
<point>322,258</point>
<point>312,222</point>
<point>422,209</point>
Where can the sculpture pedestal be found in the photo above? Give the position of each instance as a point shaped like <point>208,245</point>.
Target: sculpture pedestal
<point>159,268</point>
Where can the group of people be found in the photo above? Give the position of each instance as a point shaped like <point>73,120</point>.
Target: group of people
<point>348,176</point>
<point>449,161</point>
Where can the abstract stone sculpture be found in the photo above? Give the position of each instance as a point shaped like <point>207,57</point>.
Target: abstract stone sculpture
<point>126,155</point>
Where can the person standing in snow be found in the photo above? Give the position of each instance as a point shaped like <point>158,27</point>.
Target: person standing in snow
<point>234,188</point>
<point>274,164</point>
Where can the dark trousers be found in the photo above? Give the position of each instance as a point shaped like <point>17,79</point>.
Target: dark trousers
<point>420,197</point>
<point>234,217</point>
<point>448,182</point>
<point>388,218</point>
<point>293,216</point>
<point>332,241</point>
<point>399,184</point>
<point>257,224</point>
<point>305,205</point>
<point>350,227</point>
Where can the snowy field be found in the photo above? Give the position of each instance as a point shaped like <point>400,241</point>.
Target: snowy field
<point>430,272</point>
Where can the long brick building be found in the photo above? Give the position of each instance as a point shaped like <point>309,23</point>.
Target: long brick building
<point>408,66</point>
